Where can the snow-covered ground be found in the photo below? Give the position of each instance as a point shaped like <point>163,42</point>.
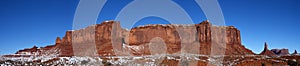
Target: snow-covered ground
<point>149,60</point>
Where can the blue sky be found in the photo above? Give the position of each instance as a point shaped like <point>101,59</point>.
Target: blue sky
<point>25,23</point>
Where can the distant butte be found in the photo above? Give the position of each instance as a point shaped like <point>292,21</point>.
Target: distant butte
<point>281,51</point>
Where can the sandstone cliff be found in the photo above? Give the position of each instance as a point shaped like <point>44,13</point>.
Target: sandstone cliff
<point>192,35</point>
<point>100,40</point>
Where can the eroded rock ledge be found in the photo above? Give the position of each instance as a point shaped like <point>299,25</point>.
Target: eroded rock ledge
<point>176,38</point>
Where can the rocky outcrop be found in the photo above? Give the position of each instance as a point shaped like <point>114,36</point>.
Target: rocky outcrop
<point>295,52</point>
<point>192,35</point>
<point>65,47</point>
<point>262,63</point>
<point>58,40</point>
<point>281,51</point>
<point>266,51</point>
<point>28,51</point>
<point>108,37</point>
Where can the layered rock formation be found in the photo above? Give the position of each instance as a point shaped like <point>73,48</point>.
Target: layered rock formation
<point>281,51</point>
<point>191,36</point>
<point>266,51</point>
<point>35,51</point>
<point>108,37</point>
<point>27,51</point>
<point>182,43</point>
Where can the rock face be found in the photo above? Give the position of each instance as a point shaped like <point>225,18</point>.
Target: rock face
<point>192,35</point>
<point>35,51</point>
<point>27,51</point>
<point>108,37</point>
<point>281,51</point>
<point>267,52</point>
<point>65,46</point>
<point>295,52</point>
<point>58,40</point>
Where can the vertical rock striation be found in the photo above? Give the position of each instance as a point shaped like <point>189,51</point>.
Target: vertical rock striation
<point>108,38</point>
<point>202,35</point>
